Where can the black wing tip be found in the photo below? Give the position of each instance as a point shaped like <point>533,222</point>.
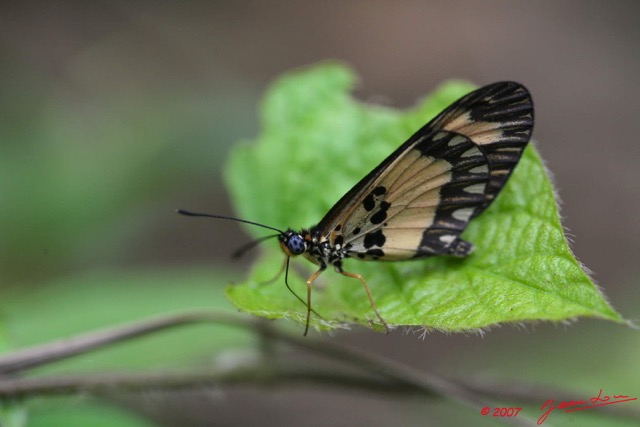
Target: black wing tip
<point>507,101</point>
<point>507,91</point>
<point>506,84</point>
<point>502,101</point>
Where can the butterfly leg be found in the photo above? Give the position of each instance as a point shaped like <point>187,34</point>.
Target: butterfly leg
<point>366,288</point>
<point>286,282</point>
<point>278,274</point>
<point>311,279</point>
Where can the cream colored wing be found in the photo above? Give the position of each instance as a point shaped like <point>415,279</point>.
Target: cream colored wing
<point>422,197</point>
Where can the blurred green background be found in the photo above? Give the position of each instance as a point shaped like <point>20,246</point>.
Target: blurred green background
<point>114,114</point>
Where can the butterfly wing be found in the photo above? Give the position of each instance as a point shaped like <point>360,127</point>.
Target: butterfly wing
<point>420,199</point>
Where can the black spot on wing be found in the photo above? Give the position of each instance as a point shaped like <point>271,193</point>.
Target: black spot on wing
<point>375,253</point>
<point>381,215</point>
<point>369,203</point>
<point>371,200</point>
<point>375,238</point>
<point>379,191</point>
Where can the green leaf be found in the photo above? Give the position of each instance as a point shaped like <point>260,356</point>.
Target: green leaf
<point>317,142</point>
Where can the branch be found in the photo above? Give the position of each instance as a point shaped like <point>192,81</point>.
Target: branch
<point>65,348</point>
<point>376,366</point>
<point>253,375</point>
<point>379,374</point>
<point>267,376</point>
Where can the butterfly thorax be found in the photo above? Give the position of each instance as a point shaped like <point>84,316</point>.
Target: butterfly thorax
<point>314,246</point>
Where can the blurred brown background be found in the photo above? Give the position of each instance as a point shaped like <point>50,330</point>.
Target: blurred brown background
<point>115,113</point>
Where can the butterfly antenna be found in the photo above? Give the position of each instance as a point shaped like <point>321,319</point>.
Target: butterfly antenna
<point>238,253</point>
<point>206,215</point>
<point>245,248</point>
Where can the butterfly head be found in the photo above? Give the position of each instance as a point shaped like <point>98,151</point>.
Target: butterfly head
<point>292,243</point>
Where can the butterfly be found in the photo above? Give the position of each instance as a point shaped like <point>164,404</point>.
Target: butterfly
<point>421,198</point>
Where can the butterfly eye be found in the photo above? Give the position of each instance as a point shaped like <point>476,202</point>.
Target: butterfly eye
<point>296,244</point>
